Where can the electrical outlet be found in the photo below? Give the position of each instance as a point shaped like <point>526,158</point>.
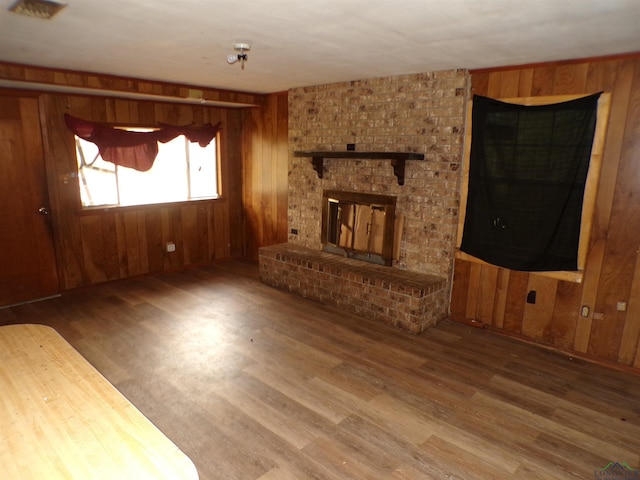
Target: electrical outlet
<point>171,247</point>
<point>294,231</point>
<point>621,306</point>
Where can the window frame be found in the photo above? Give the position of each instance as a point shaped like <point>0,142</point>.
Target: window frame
<point>590,191</point>
<point>109,207</point>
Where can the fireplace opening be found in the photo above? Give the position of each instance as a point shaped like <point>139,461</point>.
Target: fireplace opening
<point>360,225</point>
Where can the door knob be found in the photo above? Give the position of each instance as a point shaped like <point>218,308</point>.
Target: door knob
<point>43,211</point>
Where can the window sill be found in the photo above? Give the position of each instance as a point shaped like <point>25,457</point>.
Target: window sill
<point>575,277</point>
<point>147,206</point>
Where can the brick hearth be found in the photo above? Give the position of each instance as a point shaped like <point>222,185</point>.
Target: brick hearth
<point>409,300</point>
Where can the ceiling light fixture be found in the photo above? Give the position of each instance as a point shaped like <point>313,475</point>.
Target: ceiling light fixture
<point>239,57</point>
<point>44,9</point>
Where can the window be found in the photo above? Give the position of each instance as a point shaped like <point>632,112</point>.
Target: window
<point>182,171</point>
<point>513,221</point>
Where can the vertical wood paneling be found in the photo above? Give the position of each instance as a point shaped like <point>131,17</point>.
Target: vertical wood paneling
<point>473,291</point>
<point>486,294</point>
<point>121,111</point>
<point>254,188</point>
<point>265,153</point>
<point>611,271</point>
<point>282,168</point>
<point>536,319</point>
<point>525,84</point>
<point>569,79</point>
<point>514,307</point>
<point>542,81</point>
<point>460,289</point>
<point>500,302</point>
<point>509,83</point>
<point>58,150</point>
<point>130,222</point>
<point>134,238</point>
<point>269,175</point>
<point>175,234</point>
<point>121,236</point>
<point>143,243</point>
<point>201,255</point>
<point>622,238</point>
<point>146,113</point>
<point>155,246</point>
<point>33,75</point>
<point>110,246</point>
<point>98,245</point>
<point>232,177</point>
<point>602,76</point>
<point>481,84</point>
<point>631,333</point>
<point>27,260</point>
<point>565,314</point>
<point>223,233</point>
<point>21,73</point>
<point>212,232</point>
<point>189,219</point>
<point>168,235</point>
<point>621,89</point>
<point>93,247</point>
<point>493,85</point>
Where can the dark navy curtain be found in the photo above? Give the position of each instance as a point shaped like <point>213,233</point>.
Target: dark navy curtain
<point>527,175</point>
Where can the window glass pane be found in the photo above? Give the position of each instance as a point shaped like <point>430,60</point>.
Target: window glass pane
<point>97,178</point>
<point>203,172</point>
<point>166,181</point>
<point>182,171</point>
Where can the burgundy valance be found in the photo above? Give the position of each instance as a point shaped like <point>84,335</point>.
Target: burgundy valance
<point>136,150</point>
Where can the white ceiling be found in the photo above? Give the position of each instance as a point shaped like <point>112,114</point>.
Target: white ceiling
<point>311,42</point>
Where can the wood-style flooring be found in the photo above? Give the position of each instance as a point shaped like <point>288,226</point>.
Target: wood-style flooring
<point>254,383</point>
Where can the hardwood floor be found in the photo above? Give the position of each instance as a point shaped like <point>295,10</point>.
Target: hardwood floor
<point>255,383</point>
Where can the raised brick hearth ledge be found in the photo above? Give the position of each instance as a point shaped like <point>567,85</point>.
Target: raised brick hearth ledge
<point>409,300</point>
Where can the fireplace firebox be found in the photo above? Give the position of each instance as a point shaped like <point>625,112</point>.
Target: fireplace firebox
<point>360,225</point>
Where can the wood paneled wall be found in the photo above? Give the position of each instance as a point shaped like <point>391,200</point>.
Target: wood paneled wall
<point>496,297</point>
<point>97,245</point>
<point>265,186</point>
<point>44,77</point>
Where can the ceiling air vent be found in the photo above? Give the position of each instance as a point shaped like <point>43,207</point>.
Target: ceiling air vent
<point>37,8</point>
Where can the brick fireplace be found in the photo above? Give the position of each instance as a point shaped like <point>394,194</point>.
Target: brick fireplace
<point>421,114</point>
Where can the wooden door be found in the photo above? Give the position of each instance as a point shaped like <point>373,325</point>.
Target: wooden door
<point>27,256</point>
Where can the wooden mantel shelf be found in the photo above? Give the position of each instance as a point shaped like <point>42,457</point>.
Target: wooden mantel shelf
<point>397,159</point>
